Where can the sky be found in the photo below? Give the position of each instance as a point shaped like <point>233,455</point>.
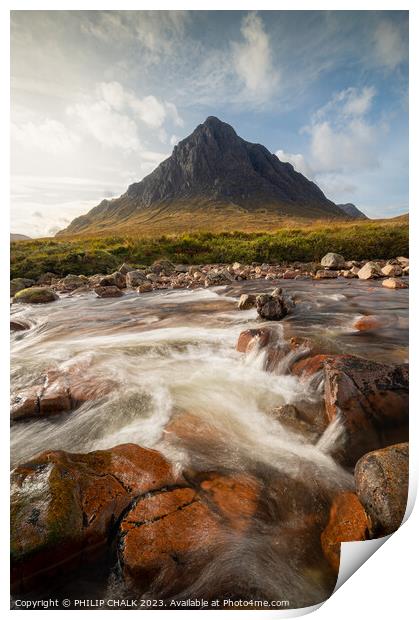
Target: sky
<point>99,99</point>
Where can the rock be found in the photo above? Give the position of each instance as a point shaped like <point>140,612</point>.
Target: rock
<point>145,287</point>
<point>163,268</point>
<point>292,419</point>
<point>309,366</point>
<point>18,284</point>
<point>246,302</point>
<point>126,268</point>
<point>64,506</point>
<point>290,274</point>
<point>35,295</point>
<point>322,274</point>
<point>218,277</point>
<point>17,325</point>
<point>365,323</point>
<point>236,266</point>
<point>406,270</point>
<point>135,278</point>
<point>403,261</point>
<point>355,270</point>
<point>253,337</point>
<point>348,521</point>
<point>369,271</point>
<point>47,278</point>
<point>392,270</point>
<point>181,268</point>
<point>333,261</point>
<point>71,282</point>
<point>25,404</point>
<point>348,273</point>
<point>370,398</point>
<point>117,279</point>
<point>382,482</point>
<point>108,291</point>
<point>168,531</point>
<point>394,283</point>
<point>272,307</point>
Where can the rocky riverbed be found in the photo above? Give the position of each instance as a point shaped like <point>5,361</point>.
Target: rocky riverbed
<point>167,445</point>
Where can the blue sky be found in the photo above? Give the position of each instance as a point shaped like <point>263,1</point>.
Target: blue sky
<point>100,98</point>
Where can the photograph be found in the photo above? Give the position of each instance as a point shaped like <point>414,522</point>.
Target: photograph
<point>209,304</point>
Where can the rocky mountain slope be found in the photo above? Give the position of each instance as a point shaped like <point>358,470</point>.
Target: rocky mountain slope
<point>214,169</point>
<point>352,211</point>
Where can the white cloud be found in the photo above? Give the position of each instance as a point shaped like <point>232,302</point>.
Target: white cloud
<point>149,109</point>
<point>297,160</point>
<point>49,136</point>
<point>174,140</point>
<point>106,125</point>
<point>391,47</point>
<point>173,113</point>
<point>252,58</point>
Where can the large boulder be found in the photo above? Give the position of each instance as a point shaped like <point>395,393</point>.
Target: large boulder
<point>370,271</point>
<point>370,398</point>
<point>18,284</point>
<point>64,506</point>
<point>35,295</point>
<point>135,278</point>
<point>333,261</point>
<point>348,521</point>
<point>272,307</point>
<point>382,482</point>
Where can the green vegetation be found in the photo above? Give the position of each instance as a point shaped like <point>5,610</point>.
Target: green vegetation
<point>90,255</point>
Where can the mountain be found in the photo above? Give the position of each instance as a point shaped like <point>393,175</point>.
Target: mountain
<point>212,175</point>
<point>352,211</point>
<point>18,237</point>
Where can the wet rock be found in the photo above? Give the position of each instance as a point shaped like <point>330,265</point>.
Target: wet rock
<point>366,323</point>
<point>135,278</point>
<point>392,270</point>
<point>309,366</point>
<point>145,287</point>
<point>108,291</point>
<point>25,404</point>
<point>18,284</point>
<point>64,506</point>
<point>294,420</point>
<point>370,398</point>
<point>333,261</point>
<point>18,325</point>
<point>382,481</point>
<point>254,337</point>
<point>35,295</point>
<point>246,302</point>
<point>326,273</point>
<point>370,271</point>
<point>164,532</point>
<point>348,521</point>
<point>394,283</point>
<point>272,307</point>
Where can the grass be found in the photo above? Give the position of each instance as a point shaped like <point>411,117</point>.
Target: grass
<point>103,254</point>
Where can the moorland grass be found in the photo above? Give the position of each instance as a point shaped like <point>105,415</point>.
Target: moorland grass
<point>90,255</point>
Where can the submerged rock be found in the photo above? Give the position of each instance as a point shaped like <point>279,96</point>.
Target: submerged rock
<point>333,261</point>
<point>348,521</point>
<point>382,483</point>
<point>35,295</point>
<point>366,323</point>
<point>64,506</point>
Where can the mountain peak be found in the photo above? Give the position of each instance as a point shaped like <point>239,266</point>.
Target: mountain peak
<point>213,167</point>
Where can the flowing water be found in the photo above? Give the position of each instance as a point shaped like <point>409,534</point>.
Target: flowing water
<point>173,353</point>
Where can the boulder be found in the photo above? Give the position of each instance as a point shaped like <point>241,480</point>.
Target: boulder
<point>370,271</point>
<point>254,337</point>
<point>72,282</point>
<point>135,278</point>
<point>246,302</point>
<point>272,307</point>
<point>333,261</point>
<point>394,283</point>
<point>165,533</point>
<point>309,366</point>
<point>370,398</point>
<point>108,291</point>
<point>392,270</point>
<point>125,268</point>
<point>35,295</point>
<point>18,284</point>
<point>218,277</point>
<point>64,506</point>
<point>382,483</point>
<point>348,521</point>
<point>322,274</point>
<point>163,268</point>
<point>117,279</point>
